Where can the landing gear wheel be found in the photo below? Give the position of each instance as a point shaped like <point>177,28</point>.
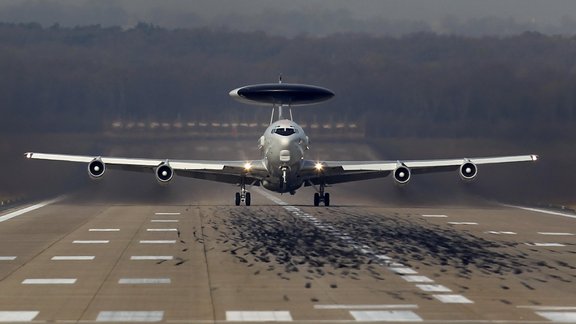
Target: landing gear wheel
<point>237,200</point>
<point>316,199</point>
<point>326,199</point>
<point>248,199</point>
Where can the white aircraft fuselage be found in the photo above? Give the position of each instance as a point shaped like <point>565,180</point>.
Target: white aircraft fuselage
<point>283,145</point>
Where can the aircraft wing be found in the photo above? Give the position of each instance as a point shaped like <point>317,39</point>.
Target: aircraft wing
<point>221,171</point>
<point>332,172</point>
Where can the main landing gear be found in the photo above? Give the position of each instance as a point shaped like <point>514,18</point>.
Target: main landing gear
<point>243,196</point>
<point>321,196</point>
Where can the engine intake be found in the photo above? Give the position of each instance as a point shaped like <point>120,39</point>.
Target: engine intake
<point>402,174</point>
<point>468,171</point>
<point>96,168</point>
<point>164,173</point>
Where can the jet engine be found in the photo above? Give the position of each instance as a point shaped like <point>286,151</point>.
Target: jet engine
<point>96,168</point>
<point>468,171</point>
<point>164,173</point>
<point>402,174</point>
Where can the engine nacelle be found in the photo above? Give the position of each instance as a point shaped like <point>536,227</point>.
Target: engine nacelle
<point>468,171</point>
<point>96,168</point>
<point>164,173</point>
<point>402,174</point>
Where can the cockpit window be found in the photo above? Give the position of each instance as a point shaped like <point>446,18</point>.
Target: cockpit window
<point>284,131</point>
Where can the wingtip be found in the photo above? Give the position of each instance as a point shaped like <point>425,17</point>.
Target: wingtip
<point>28,155</point>
<point>534,157</point>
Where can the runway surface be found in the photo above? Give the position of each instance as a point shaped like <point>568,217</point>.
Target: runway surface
<point>126,251</point>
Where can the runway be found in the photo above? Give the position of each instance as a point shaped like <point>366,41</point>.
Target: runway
<point>121,251</point>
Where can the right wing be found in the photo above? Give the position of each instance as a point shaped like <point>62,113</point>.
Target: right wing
<point>221,171</point>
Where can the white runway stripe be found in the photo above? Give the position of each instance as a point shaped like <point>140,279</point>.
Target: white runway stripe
<point>164,221</point>
<point>7,258</point>
<point>462,223</point>
<point>151,257</point>
<point>417,279</point>
<point>17,316</point>
<point>129,316</point>
<point>383,306</point>
<point>453,299</point>
<point>104,230</point>
<point>433,288</point>
<point>407,271</point>
<point>544,211</point>
<point>167,214</point>
<point>556,234</point>
<point>549,308</point>
<point>28,209</point>
<point>559,317</point>
<point>385,316</point>
<point>162,230</point>
<point>501,233</point>
<point>46,281</point>
<point>255,316</point>
<point>91,242</point>
<point>545,244</point>
<point>73,258</point>
<point>158,242</point>
<point>144,281</point>
<point>435,216</point>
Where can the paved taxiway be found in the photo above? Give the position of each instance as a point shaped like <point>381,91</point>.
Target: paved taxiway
<point>122,251</point>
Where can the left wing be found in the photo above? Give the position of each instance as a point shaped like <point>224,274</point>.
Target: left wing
<point>251,172</point>
<point>332,172</point>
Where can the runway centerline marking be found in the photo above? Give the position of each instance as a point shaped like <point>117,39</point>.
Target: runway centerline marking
<point>167,214</point>
<point>433,288</point>
<point>377,258</point>
<point>164,221</point>
<point>28,209</point>
<point>435,216</point>
<point>417,279</point>
<point>462,223</point>
<point>501,233</point>
<point>545,244</point>
<point>162,230</point>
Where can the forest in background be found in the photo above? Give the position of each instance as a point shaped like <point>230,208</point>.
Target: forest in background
<point>78,79</point>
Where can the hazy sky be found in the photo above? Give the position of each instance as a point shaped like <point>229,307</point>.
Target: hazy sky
<point>261,14</point>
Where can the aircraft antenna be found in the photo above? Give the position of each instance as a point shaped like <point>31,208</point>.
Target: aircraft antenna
<point>280,79</point>
<point>272,116</point>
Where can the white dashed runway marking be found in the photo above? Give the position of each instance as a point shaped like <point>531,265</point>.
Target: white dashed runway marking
<point>164,221</point>
<point>462,223</point>
<point>433,288</point>
<point>17,316</point>
<point>104,230</point>
<point>254,316</point>
<point>373,307</point>
<point>453,299</point>
<point>46,281</point>
<point>91,242</point>
<point>162,230</point>
<point>545,244</point>
<point>73,258</point>
<point>158,242</point>
<point>144,281</point>
<point>403,271</point>
<point>556,234</point>
<point>435,216</point>
<point>417,279</point>
<point>385,316</point>
<point>501,233</point>
<point>559,317</point>
<point>152,257</point>
<point>166,214</point>
<point>129,316</point>
<point>7,258</point>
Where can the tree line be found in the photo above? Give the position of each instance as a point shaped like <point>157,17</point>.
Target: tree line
<point>78,79</point>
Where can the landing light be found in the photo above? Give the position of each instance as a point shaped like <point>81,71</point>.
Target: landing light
<point>247,166</point>
<point>318,166</point>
